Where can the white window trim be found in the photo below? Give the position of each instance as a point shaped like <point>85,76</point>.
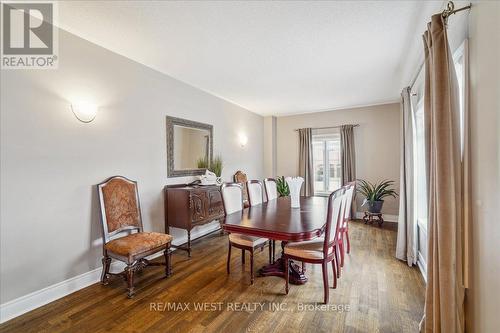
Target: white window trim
<point>324,135</point>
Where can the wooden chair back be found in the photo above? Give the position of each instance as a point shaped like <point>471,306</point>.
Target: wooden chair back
<point>232,197</point>
<point>350,191</point>
<point>255,192</point>
<point>333,219</point>
<point>119,206</point>
<point>241,177</point>
<point>271,188</point>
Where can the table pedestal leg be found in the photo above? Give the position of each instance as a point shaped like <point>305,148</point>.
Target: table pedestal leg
<point>296,275</point>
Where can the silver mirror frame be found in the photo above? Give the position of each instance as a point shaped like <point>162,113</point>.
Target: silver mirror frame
<point>171,122</point>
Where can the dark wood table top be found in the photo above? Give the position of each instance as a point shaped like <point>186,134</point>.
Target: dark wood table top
<point>277,220</point>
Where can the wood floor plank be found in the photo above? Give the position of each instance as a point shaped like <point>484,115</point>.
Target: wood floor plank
<point>376,293</point>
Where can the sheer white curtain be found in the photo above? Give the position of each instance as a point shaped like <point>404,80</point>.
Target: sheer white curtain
<point>406,246</point>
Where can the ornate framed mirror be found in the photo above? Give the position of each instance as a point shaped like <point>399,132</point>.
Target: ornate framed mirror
<point>189,147</point>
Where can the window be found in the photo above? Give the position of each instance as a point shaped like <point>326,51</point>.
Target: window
<point>419,184</point>
<point>459,62</point>
<point>326,162</point>
<point>420,187</point>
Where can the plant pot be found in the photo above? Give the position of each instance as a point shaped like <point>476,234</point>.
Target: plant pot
<point>375,206</point>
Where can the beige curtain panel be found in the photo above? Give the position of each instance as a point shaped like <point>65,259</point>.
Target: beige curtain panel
<point>444,304</point>
<point>406,245</point>
<point>347,154</point>
<point>306,161</point>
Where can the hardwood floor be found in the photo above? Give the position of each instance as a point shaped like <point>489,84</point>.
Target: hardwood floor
<point>376,293</point>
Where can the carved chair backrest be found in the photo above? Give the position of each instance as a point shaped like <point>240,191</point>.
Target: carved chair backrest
<point>333,219</point>
<point>119,206</point>
<point>241,177</point>
<point>350,190</point>
<point>271,188</point>
<point>232,197</point>
<point>255,192</point>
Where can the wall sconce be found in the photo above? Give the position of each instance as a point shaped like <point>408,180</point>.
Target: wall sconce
<point>85,112</point>
<point>243,140</point>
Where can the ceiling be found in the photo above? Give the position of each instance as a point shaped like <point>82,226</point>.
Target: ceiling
<point>273,58</point>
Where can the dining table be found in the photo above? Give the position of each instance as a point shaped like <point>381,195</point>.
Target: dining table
<point>277,220</point>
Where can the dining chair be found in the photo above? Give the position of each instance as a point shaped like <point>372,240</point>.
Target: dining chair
<point>255,192</point>
<point>241,178</point>
<point>120,213</point>
<point>344,227</point>
<point>321,250</point>
<point>339,234</point>
<point>232,198</point>
<point>271,188</point>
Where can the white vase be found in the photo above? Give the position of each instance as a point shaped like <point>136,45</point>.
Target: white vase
<point>294,183</point>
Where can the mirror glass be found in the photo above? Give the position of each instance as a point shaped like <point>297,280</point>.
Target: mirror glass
<point>191,147</point>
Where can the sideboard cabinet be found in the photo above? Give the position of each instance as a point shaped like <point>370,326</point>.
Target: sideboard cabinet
<point>188,206</point>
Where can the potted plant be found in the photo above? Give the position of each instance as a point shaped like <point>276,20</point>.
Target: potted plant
<point>282,187</point>
<point>216,166</point>
<point>374,193</point>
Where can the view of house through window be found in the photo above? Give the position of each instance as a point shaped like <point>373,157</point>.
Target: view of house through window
<point>326,163</point>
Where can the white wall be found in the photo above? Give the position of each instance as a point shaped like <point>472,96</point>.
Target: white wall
<point>376,141</point>
<point>50,161</point>
<point>483,297</point>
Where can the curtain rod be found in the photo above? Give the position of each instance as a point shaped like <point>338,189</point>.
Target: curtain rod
<point>316,128</point>
<point>450,10</point>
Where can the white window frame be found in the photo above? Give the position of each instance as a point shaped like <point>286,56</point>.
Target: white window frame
<point>324,137</point>
<point>459,55</point>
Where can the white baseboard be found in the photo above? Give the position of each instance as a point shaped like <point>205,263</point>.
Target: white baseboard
<point>422,266</point>
<point>31,301</point>
<point>387,217</point>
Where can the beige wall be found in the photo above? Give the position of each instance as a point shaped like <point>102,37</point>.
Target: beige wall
<point>483,297</point>
<point>50,228</point>
<point>270,146</point>
<point>376,140</point>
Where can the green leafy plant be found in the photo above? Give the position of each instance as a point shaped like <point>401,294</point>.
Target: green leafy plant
<point>202,163</point>
<point>282,187</point>
<point>377,191</point>
<point>216,166</point>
